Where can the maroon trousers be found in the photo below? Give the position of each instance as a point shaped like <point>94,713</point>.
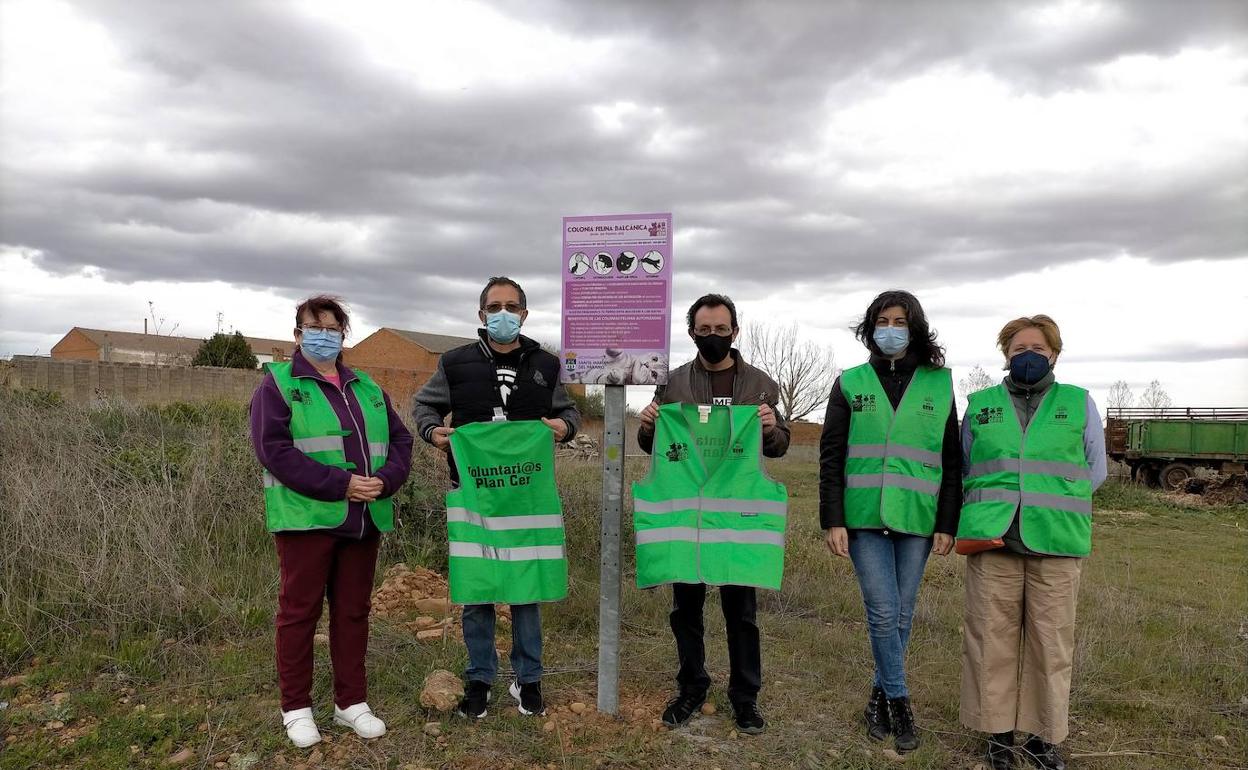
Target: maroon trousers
<point>315,565</point>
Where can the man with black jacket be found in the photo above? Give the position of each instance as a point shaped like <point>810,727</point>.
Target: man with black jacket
<point>502,376</point>
<point>717,376</point>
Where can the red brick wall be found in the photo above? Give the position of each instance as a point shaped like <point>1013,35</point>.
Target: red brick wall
<point>399,365</point>
<point>76,345</point>
<point>384,348</point>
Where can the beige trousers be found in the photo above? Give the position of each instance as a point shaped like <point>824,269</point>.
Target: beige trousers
<point>1018,643</point>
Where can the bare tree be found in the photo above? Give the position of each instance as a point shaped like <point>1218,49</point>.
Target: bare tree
<point>1120,395</point>
<point>975,380</point>
<point>1155,397</point>
<point>158,327</point>
<point>803,370</point>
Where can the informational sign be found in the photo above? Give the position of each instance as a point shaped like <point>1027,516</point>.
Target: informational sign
<point>617,299</point>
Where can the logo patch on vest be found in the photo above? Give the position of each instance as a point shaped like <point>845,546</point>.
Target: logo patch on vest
<point>296,395</point>
<point>677,452</point>
<point>929,406</point>
<point>990,414</point>
<point>738,449</point>
<point>539,379</point>
<point>863,402</point>
<point>1062,413</point>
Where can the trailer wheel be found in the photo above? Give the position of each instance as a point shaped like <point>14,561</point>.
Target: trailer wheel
<point>1174,475</point>
<point>1149,474</point>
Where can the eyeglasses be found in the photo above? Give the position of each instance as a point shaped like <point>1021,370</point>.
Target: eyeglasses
<point>318,328</point>
<point>510,307</point>
<point>721,330</point>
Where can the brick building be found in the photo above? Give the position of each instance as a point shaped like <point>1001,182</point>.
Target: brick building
<point>401,360</point>
<point>163,350</point>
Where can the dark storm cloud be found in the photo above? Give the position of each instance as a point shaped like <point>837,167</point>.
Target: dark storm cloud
<point>282,135</point>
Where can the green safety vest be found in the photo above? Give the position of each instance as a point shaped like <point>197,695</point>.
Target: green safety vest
<point>707,512</point>
<point>893,464</point>
<point>318,434</point>
<point>504,522</point>
<point>1042,469</point>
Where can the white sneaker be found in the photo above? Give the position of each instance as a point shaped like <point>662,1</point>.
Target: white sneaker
<point>361,719</point>
<point>301,727</point>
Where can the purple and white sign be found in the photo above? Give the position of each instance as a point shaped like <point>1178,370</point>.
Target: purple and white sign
<point>617,299</point>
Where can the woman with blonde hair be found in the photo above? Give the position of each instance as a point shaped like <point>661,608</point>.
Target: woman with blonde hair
<point>1033,453</point>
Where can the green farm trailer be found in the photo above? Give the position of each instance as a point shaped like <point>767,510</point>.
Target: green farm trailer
<point>1165,446</point>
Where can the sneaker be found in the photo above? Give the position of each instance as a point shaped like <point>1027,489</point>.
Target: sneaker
<point>682,708</point>
<point>529,697</point>
<point>361,719</point>
<point>748,718</point>
<point>301,728</point>
<point>476,695</point>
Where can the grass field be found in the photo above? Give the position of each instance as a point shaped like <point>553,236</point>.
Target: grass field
<point>136,598</point>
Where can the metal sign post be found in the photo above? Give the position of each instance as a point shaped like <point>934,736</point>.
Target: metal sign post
<point>614,406</point>
<point>617,313</point>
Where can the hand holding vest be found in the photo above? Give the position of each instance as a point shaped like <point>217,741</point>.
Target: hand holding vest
<point>505,521</point>
<point>707,513</point>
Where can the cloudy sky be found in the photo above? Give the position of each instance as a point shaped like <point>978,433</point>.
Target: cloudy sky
<point>1088,160</point>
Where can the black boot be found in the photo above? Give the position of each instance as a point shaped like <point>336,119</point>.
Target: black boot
<point>876,715</point>
<point>1043,754</point>
<point>1000,753</point>
<point>901,719</point>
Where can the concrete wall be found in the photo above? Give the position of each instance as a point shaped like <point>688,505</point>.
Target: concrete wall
<point>84,381</point>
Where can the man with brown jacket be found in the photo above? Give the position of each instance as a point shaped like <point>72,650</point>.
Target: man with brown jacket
<point>717,376</point>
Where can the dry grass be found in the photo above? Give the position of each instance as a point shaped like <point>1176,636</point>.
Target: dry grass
<point>135,559</point>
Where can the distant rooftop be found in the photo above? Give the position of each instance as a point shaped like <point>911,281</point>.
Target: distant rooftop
<point>434,343</point>
<point>164,344</point>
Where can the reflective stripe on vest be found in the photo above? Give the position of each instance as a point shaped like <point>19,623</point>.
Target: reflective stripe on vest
<point>1040,474</point>
<point>706,512</point>
<point>893,464</point>
<point>317,432</point>
<point>504,522</point>
<point>482,551</point>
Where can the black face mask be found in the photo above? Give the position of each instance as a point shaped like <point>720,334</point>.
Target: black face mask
<point>713,347</point>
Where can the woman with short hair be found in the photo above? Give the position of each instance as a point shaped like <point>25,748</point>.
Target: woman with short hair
<point>1033,454</point>
<point>890,474</point>
<point>334,452</point>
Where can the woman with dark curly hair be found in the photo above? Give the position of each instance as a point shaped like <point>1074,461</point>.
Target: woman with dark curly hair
<point>890,491</point>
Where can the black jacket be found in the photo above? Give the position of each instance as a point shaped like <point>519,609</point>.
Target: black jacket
<point>834,443</point>
<point>466,387</point>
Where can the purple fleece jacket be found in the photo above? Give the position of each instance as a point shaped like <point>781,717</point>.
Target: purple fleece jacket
<point>275,449</point>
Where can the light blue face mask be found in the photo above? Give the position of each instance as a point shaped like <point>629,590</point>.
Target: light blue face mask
<point>503,327</point>
<point>891,340</point>
<point>321,344</point>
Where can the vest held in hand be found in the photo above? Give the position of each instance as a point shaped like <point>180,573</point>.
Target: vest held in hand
<point>707,512</point>
<point>505,522</point>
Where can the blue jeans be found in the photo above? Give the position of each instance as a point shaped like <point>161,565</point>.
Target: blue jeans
<point>889,569</point>
<point>526,643</point>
